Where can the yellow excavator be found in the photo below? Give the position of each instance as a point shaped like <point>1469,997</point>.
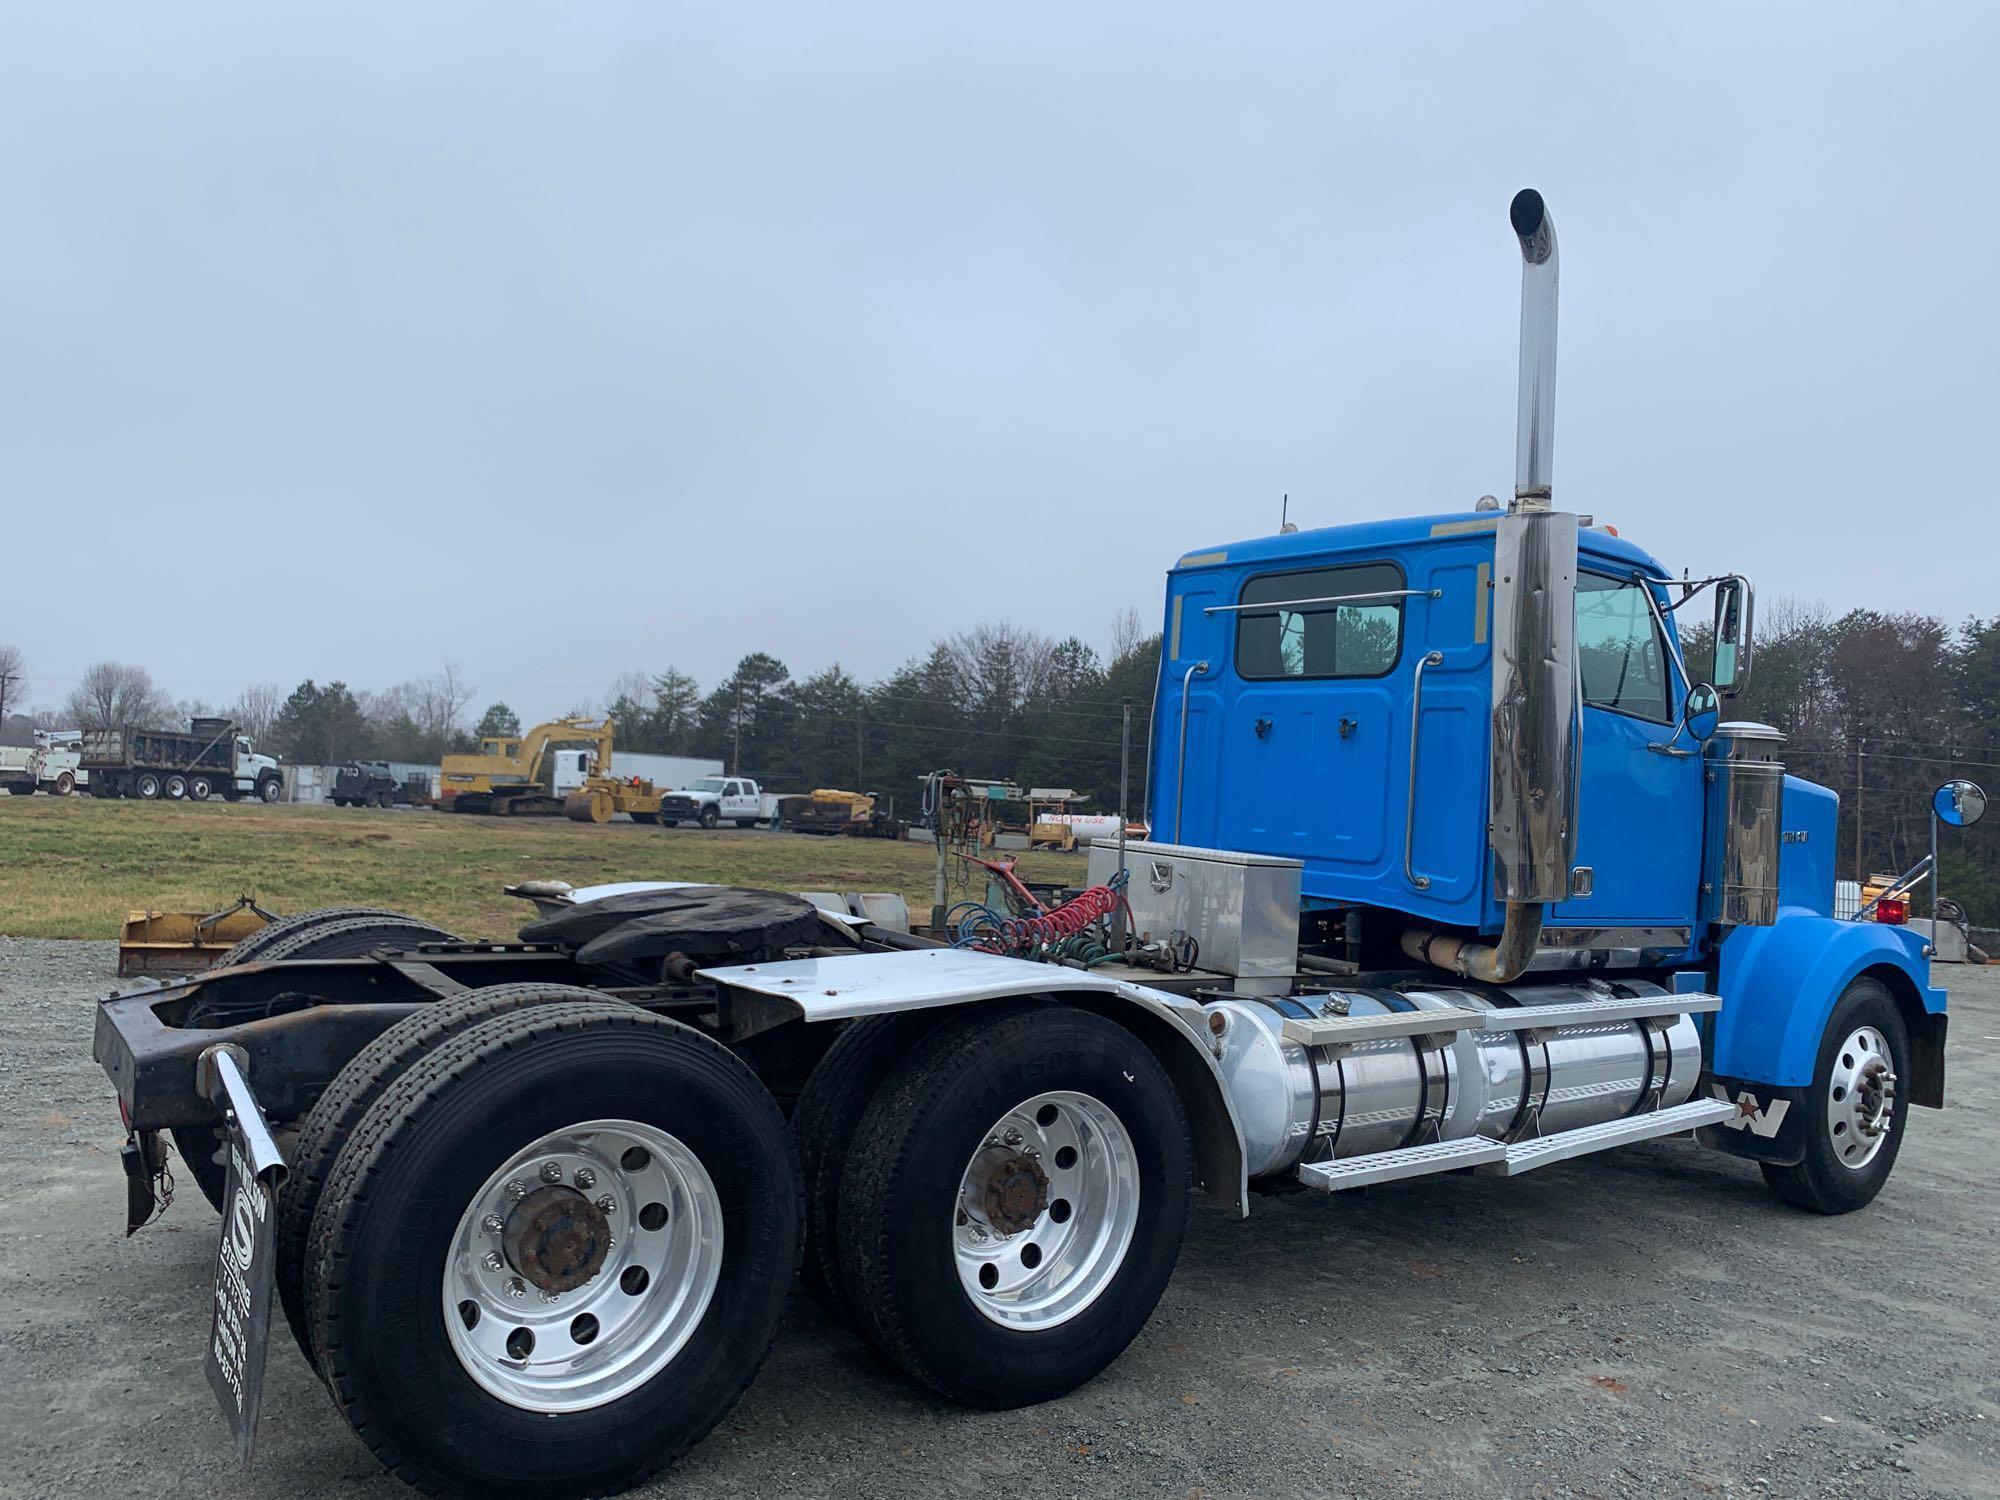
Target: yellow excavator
<point>525,775</point>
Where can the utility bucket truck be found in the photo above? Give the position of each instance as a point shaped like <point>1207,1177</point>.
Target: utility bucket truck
<point>1454,866</point>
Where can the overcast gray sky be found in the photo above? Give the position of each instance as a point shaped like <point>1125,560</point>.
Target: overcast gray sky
<point>562,340</point>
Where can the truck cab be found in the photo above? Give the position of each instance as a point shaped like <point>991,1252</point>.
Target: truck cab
<point>1327,696</point>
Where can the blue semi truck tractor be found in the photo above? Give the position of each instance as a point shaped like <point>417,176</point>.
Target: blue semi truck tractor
<point>1454,864</point>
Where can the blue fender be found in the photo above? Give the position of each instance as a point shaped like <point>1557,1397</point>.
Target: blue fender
<point>1780,983</point>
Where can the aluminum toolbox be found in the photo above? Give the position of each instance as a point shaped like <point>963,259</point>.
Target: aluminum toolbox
<point>1242,908</point>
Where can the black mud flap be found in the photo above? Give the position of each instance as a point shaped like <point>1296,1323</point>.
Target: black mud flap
<point>140,1156</point>
<point>245,1259</point>
<point>1770,1122</point>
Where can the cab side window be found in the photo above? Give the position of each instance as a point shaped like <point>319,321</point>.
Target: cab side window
<point>1618,641</point>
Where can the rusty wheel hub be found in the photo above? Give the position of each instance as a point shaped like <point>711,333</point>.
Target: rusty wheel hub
<point>1009,1191</point>
<point>557,1238</point>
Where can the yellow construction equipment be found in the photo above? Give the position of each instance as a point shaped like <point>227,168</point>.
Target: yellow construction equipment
<point>830,810</point>
<point>602,798</point>
<point>515,774</point>
<point>182,942</point>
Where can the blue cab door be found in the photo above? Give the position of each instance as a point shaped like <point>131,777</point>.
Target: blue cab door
<point>1639,805</point>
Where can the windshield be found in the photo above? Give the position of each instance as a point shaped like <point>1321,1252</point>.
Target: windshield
<point>706,784</point>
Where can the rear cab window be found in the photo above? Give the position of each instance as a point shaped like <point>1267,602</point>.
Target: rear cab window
<point>1322,623</point>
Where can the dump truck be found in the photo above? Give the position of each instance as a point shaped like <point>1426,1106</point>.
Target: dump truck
<point>1454,868</point>
<point>211,758</point>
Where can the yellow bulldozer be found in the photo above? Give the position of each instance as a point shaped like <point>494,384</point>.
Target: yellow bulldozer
<point>562,766</point>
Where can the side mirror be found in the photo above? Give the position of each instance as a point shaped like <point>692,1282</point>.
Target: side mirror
<point>1732,633</point>
<point>1702,711</point>
<point>1959,804</point>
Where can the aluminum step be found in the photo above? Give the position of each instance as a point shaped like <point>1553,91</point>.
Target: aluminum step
<point>1510,1161</point>
<point>1331,1031</point>
<point>1411,1161</point>
<point>1525,1156</point>
<point>1595,1012</point>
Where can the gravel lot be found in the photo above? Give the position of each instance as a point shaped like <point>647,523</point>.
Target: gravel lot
<point>1644,1323</point>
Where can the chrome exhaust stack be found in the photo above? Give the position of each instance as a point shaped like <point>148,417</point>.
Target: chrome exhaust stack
<point>1536,725</point>
<point>1535,424</point>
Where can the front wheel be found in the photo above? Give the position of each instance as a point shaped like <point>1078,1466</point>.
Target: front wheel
<point>1853,1128</point>
<point>553,1253</point>
<point>1013,1202</point>
<point>709,817</point>
<point>270,789</point>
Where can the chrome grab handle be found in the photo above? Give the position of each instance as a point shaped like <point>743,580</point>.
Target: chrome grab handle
<point>1200,668</point>
<point>1421,882</point>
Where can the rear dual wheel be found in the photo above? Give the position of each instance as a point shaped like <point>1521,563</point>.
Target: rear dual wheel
<point>553,1252</point>
<point>1012,1202</point>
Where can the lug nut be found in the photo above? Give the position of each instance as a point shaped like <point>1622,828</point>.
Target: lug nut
<point>1012,1137</point>
<point>549,1297</point>
<point>517,1289</point>
<point>517,1190</point>
<point>978,1235</point>
<point>585,1178</point>
<point>608,1203</point>
<point>551,1171</point>
<point>493,1223</point>
<point>492,1260</point>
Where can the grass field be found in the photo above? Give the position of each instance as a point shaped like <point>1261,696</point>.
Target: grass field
<point>73,868</point>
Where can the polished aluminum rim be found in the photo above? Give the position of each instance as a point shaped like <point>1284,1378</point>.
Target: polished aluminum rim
<point>1861,1101</point>
<point>621,1209</point>
<point>1045,1211</point>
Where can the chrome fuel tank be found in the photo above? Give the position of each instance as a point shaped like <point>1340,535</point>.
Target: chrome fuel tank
<point>1298,1103</point>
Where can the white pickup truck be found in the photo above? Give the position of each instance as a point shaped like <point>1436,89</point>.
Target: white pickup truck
<point>718,799</point>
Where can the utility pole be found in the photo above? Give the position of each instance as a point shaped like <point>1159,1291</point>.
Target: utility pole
<point>1860,864</point>
<point>6,681</point>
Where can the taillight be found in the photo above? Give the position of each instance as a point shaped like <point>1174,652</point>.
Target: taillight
<point>1894,912</point>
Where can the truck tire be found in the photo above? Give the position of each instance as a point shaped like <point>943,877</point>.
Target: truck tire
<point>175,787</point>
<point>332,1120</point>
<point>270,789</point>
<point>200,788</point>
<point>837,1093</point>
<point>65,784</point>
<point>1013,1202</point>
<point>1853,1129</point>
<point>256,947</point>
<point>146,786</point>
<point>354,937</point>
<point>465,1378</point>
<point>20,789</point>
<point>645,817</point>
<point>709,817</point>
